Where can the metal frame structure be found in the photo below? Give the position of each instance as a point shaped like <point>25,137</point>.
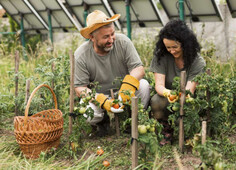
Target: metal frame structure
<point>185,11</point>
<point>46,16</point>
<point>131,14</point>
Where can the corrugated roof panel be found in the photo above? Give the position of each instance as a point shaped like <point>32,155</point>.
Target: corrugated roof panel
<point>143,13</point>
<point>201,10</point>
<point>51,4</point>
<point>21,6</point>
<point>9,7</point>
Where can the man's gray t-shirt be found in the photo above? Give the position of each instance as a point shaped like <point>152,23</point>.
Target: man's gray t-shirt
<point>90,67</point>
<point>168,67</point>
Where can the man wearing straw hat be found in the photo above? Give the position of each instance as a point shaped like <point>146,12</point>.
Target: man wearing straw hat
<point>105,57</point>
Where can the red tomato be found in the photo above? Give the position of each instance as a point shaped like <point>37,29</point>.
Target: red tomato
<point>106,163</point>
<point>172,97</point>
<point>100,152</point>
<point>116,106</point>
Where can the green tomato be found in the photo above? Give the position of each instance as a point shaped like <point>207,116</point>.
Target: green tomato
<point>218,166</point>
<point>141,106</point>
<point>189,100</point>
<point>139,126</point>
<point>154,122</point>
<point>225,106</point>
<point>142,129</point>
<point>175,108</point>
<point>152,129</point>
<point>84,100</point>
<point>148,126</point>
<point>88,98</point>
<point>82,110</point>
<point>140,111</point>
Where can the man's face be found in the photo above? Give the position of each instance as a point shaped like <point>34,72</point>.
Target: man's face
<point>103,39</point>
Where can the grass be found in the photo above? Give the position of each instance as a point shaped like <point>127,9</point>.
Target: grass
<point>116,152</point>
<point>63,158</point>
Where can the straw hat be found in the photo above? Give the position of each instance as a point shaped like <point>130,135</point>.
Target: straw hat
<point>95,20</point>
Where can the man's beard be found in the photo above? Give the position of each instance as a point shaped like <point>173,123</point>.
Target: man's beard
<point>107,49</point>
<point>104,48</point>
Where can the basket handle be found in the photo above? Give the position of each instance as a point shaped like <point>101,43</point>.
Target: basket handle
<point>31,96</point>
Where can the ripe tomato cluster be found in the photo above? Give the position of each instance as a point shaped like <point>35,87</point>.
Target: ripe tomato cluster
<point>173,97</point>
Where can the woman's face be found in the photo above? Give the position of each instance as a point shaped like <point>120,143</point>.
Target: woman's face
<point>173,47</point>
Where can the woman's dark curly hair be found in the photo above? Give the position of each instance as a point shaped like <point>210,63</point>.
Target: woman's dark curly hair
<point>177,30</point>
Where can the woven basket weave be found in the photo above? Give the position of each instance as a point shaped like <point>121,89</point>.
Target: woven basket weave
<point>39,132</point>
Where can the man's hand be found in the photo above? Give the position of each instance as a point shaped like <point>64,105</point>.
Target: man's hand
<point>117,106</point>
<point>130,84</point>
<point>104,102</point>
<point>109,104</point>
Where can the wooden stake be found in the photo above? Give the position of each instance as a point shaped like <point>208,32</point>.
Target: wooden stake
<point>204,131</point>
<point>117,124</point>
<point>134,132</point>
<point>182,100</point>
<point>27,89</point>
<point>72,62</point>
<point>53,68</point>
<point>17,63</point>
<point>208,99</point>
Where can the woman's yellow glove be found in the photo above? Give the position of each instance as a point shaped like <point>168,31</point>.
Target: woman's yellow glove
<point>130,84</point>
<point>170,95</point>
<point>166,92</point>
<point>104,102</point>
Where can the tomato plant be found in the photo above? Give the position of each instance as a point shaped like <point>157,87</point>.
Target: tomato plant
<point>83,110</point>
<point>149,134</point>
<point>213,101</point>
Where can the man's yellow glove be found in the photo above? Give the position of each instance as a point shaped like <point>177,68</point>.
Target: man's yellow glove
<point>130,84</point>
<point>105,103</point>
<point>166,92</point>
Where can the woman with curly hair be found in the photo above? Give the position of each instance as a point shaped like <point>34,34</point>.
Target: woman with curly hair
<point>177,49</point>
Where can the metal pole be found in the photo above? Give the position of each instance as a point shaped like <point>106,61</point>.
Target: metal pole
<point>86,8</point>
<point>50,25</point>
<point>23,36</point>
<point>85,17</point>
<point>4,33</point>
<point>128,18</point>
<point>181,9</point>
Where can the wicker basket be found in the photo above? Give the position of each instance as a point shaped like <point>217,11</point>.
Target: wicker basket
<point>39,132</point>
